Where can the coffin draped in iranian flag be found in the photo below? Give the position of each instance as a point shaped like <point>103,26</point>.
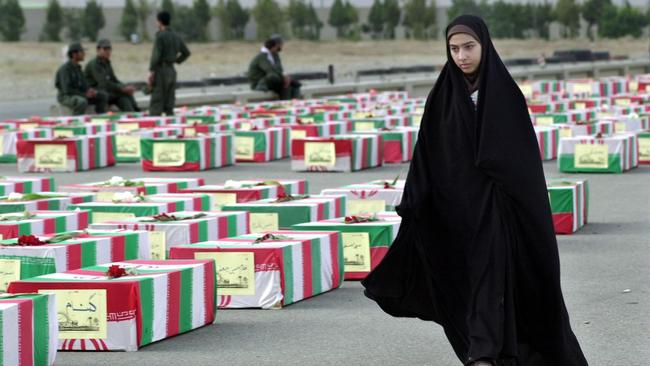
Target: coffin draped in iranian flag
<point>67,251</point>
<point>233,191</point>
<point>110,211</point>
<point>569,200</point>
<point>262,145</point>
<point>29,330</point>
<point>364,243</point>
<point>370,198</point>
<point>548,139</point>
<point>341,153</point>
<point>592,154</point>
<point>188,153</point>
<point>182,228</point>
<point>26,185</point>
<point>283,212</point>
<point>14,225</point>
<point>159,300</point>
<point>271,270</point>
<point>147,185</point>
<point>66,154</point>
<point>128,146</point>
<point>325,129</point>
<point>21,202</point>
<point>399,143</point>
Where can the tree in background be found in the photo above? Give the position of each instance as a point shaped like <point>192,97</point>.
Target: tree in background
<point>419,19</point>
<point>621,22</point>
<point>168,6</point>
<point>376,19</point>
<point>567,13</point>
<point>507,20</point>
<point>460,7</point>
<point>541,18</point>
<point>12,20</point>
<point>129,20</point>
<point>232,19</point>
<point>592,12</point>
<point>93,20</point>
<point>269,18</point>
<point>144,9</point>
<point>186,25</point>
<point>51,31</point>
<point>202,15</point>
<point>314,24</point>
<point>74,24</point>
<point>297,13</point>
<point>338,18</point>
<point>392,17</point>
<point>352,16</point>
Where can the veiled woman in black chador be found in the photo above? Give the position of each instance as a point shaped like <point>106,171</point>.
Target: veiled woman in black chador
<point>476,251</point>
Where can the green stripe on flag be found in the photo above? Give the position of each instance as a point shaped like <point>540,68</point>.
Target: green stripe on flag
<point>232,225</point>
<point>561,199</point>
<point>28,187</point>
<point>60,224</point>
<point>24,228</point>
<point>150,190</point>
<point>88,253</point>
<point>315,266</point>
<point>369,146</point>
<point>185,317</point>
<point>146,309</point>
<point>353,160</point>
<point>80,154</point>
<point>54,204</point>
<point>41,329</point>
<point>98,151</point>
<point>287,256</point>
<point>203,230</point>
<point>131,245</point>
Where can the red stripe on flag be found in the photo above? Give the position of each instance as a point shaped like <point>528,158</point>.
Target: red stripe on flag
<point>334,249</point>
<point>194,232</point>
<point>364,153</point>
<point>223,144</point>
<point>82,220</point>
<point>74,256</point>
<point>223,227</point>
<point>118,248</point>
<point>173,302</point>
<point>25,329</point>
<point>209,293</point>
<point>49,226</point>
<point>92,141</point>
<point>208,153</point>
<point>307,270</point>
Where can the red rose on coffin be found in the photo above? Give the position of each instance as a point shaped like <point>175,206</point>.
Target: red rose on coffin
<point>115,271</point>
<point>388,185</point>
<point>30,240</point>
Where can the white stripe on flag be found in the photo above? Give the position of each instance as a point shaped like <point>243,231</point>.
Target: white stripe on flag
<point>298,276</point>
<point>159,308</point>
<point>10,336</point>
<point>326,263</point>
<point>198,296</point>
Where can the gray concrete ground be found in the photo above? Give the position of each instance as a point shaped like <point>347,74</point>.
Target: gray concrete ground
<point>610,255</point>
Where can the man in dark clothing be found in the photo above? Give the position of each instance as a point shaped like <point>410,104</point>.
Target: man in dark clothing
<point>265,71</point>
<point>168,49</point>
<point>74,91</point>
<point>100,75</point>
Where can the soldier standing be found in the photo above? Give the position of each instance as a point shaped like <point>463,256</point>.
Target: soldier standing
<point>168,49</point>
<point>100,75</point>
<point>74,91</point>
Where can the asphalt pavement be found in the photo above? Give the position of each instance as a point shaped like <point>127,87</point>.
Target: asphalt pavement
<point>605,278</point>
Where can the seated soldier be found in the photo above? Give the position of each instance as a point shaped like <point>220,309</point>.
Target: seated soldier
<point>74,91</point>
<point>265,71</point>
<point>100,75</point>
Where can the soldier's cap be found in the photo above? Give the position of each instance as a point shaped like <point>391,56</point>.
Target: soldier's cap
<point>104,43</point>
<point>76,47</point>
<point>276,38</point>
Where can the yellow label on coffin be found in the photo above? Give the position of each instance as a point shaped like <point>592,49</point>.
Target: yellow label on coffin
<point>244,147</point>
<point>591,156</point>
<point>190,132</point>
<point>601,115</point>
<point>298,134</point>
<point>158,244</point>
<point>526,90</point>
<point>307,120</point>
<point>262,222</point>
<point>168,154</point>
<point>622,101</point>
<point>98,121</point>
<point>9,272</point>
<point>356,252</point>
<point>357,207</point>
<point>544,121</point>
<point>582,88</point>
<point>128,126</point>
<point>63,133</point>
<point>104,196</point>
<point>81,314</point>
<point>566,132</point>
<point>235,272</point>
<point>245,126</point>
<point>320,154</point>
<point>581,105</point>
<point>222,199</point>
<point>99,217</point>
<point>634,86</point>
<point>27,126</point>
<point>128,146</point>
<point>417,120</point>
<point>362,115</point>
<point>419,110</point>
<point>619,127</point>
<point>644,149</point>
<point>50,156</point>
<point>193,120</point>
<point>364,126</point>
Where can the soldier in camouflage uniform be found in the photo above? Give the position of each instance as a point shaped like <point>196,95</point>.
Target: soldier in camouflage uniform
<point>100,75</point>
<point>74,91</point>
<point>168,49</point>
<point>265,71</point>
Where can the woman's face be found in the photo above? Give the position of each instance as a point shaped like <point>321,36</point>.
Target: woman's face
<point>465,51</point>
